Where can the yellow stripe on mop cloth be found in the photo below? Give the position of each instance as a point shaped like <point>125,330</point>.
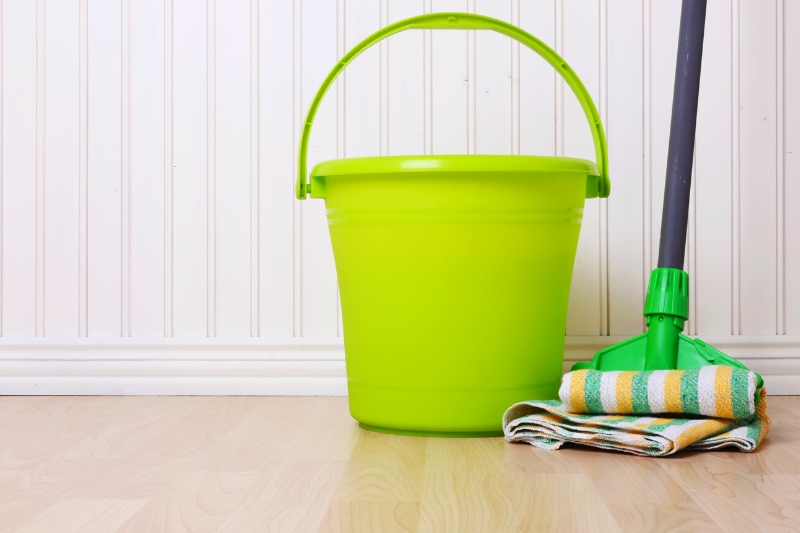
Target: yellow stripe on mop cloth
<point>672,391</point>
<point>700,430</point>
<point>658,422</point>
<point>722,390</point>
<point>577,386</point>
<point>625,392</point>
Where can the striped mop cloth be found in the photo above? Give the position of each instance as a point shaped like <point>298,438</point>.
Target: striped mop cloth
<point>718,391</point>
<point>715,403</point>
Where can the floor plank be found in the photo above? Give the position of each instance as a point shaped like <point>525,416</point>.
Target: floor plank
<point>465,455</point>
<point>68,516</point>
<point>738,501</point>
<point>642,496</point>
<point>371,516</point>
<point>384,468</point>
<point>513,502</point>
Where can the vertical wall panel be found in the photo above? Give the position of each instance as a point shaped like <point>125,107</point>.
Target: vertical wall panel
<point>780,175</point>
<point>233,168</point>
<point>61,169</point>
<point>603,202</point>
<point>254,170</point>
<point>125,169</point>
<point>791,155</point>
<point>757,214</point>
<point>147,168</point>
<point>105,282</point>
<point>712,186</point>
<point>190,150</point>
<point>1,169</point>
<point>362,97</point>
<point>211,168</point>
<point>169,170</point>
<point>450,82</point>
<point>341,108</point>
<point>83,171</point>
<point>664,23</point>
<point>318,271</point>
<point>41,152</point>
<point>537,82</point>
<point>19,168</point>
<point>493,78</point>
<point>280,135</point>
<point>581,42</point>
<point>624,130</point>
<point>647,141</point>
<point>406,89</point>
<point>581,50</point>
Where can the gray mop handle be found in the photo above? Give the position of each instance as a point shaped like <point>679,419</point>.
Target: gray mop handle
<point>681,135</point>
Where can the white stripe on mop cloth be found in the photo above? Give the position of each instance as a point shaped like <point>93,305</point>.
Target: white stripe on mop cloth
<point>705,391</point>
<point>608,391</point>
<point>739,433</point>
<point>672,432</point>
<point>563,392</point>
<point>655,391</point>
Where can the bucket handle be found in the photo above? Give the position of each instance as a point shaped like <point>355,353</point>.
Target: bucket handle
<point>466,21</point>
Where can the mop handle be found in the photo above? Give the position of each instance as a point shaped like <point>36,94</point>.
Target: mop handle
<point>465,21</point>
<point>681,135</point>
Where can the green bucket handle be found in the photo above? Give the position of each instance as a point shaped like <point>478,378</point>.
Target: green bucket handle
<point>467,21</point>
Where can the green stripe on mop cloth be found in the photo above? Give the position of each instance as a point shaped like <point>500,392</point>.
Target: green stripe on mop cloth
<point>740,394</point>
<point>689,400</point>
<point>592,397</point>
<point>640,400</point>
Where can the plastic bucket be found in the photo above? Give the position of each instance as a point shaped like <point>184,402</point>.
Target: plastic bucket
<point>454,271</point>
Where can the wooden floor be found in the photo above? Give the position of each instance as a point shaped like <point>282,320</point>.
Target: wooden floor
<point>140,464</point>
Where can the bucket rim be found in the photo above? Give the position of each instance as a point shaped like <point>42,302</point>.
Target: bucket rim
<point>362,166</point>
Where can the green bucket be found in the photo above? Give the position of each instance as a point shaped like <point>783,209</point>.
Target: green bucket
<point>454,271</point>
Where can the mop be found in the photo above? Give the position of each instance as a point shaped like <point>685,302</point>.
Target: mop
<point>658,392</point>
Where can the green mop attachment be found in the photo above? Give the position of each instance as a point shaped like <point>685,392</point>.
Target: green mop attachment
<point>663,346</point>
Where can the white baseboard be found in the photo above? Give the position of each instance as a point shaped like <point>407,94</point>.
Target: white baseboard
<point>257,366</point>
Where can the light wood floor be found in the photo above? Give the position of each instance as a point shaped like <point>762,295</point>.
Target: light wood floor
<point>140,464</point>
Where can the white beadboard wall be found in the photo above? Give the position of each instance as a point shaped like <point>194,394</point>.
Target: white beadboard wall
<point>151,243</point>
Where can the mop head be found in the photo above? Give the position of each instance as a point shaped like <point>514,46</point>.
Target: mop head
<point>702,409</point>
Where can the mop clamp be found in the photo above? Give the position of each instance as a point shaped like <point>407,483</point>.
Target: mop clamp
<point>668,295</point>
<point>667,309</point>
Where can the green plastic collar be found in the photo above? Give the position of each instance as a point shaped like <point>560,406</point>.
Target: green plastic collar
<point>668,293</point>
<point>466,21</point>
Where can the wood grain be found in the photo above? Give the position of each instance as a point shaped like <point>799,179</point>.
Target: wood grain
<point>84,515</point>
<point>384,468</point>
<point>369,516</point>
<point>174,464</point>
<point>465,455</point>
<point>739,501</point>
<point>642,496</point>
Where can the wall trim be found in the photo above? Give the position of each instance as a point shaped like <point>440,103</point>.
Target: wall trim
<point>259,366</point>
